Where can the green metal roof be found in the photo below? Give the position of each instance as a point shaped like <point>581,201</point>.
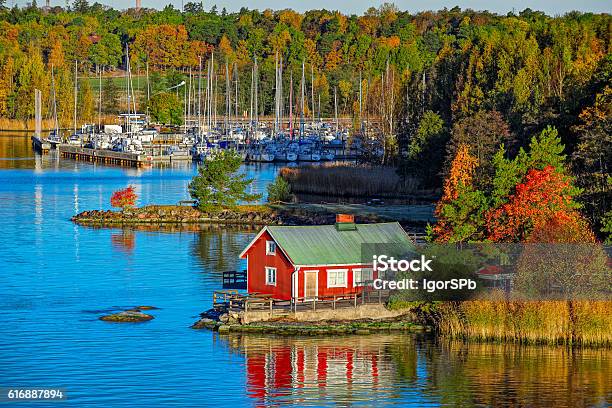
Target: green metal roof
<point>326,245</point>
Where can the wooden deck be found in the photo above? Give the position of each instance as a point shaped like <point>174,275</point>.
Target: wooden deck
<point>232,300</point>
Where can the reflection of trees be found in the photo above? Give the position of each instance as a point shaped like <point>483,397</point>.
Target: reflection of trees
<point>379,366</point>
<point>493,375</point>
<point>124,241</point>
<point>217,249</point>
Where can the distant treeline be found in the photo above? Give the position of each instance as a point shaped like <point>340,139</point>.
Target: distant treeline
<point>436,79</point>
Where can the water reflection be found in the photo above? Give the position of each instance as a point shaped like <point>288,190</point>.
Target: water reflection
<point>123,241</point>
<point>216,248</point>
<point>411,369</point>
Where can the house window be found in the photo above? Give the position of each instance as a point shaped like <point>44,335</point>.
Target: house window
<point>362,276</point>
<point>336,278</point>
<point>270,248</point>
<point>270,276</point>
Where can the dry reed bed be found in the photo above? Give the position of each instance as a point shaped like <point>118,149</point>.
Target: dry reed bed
<point>29,124</point>
<point>349,181</point>
<point>572,323</point>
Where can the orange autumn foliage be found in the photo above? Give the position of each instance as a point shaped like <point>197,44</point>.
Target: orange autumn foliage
<point>567,227</point>
<point>542,197</point>
<point>460,175</point>
<point>124,198</point>
<point>461,172</point>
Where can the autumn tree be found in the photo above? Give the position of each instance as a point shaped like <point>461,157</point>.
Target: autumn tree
<point>125,198</point>
<point>483,132</point>
<point>86,100</point>
<point>561,259</point>
<point>544,195</point>
<point>459,212</point>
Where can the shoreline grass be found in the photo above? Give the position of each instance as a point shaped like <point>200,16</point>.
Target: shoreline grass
<point>580,323</point>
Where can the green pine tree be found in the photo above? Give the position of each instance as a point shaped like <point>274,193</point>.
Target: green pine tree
<point>218,185</point>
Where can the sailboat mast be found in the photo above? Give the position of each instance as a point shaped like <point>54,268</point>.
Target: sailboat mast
<point>252,96</point>
<point>56,122</point>
<point>336,108</point>
<point>256,96</point>
<point>200,102</point>
<point>76,89</point>
<point>281,105</point>
<point>100,99</point>
<point>302,102</point>
<point>127,88</point>
<point>228,94</point>
<point>276,95</point>
<point>312,92</point>
<point>291,105</point>
<point>236,87</point>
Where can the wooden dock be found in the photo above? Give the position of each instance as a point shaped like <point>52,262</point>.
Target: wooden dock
<point>103,156</point>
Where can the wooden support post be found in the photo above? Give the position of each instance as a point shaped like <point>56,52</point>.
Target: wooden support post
<point>355,300</point>
<point>271,310</point>
<point>334,302</point>
<point>379,297</point>
<point>314,304</point>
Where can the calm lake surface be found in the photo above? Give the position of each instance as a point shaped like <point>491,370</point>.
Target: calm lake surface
<point>57,278</point>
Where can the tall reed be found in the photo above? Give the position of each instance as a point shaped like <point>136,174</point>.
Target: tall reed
<point>344,180</point>
<point>573,323</point>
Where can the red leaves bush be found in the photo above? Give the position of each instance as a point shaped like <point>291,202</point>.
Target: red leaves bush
<point>124,198</point>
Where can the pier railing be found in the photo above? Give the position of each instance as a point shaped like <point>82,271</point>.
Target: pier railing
<point>231,300</point>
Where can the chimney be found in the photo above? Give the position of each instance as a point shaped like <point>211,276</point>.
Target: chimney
<point>345,222</point>
<point>138,4</point>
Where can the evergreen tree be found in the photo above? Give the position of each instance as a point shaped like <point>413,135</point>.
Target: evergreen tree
<point>110,96</point>
<point>218,185</point>
<point>460,211</point>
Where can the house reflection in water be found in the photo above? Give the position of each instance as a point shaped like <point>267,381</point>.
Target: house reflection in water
<point>340,369</point>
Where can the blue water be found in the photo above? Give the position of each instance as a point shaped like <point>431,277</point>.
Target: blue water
<point>57,279</point>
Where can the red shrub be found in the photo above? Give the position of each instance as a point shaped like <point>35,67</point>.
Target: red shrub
<point>124,198</point>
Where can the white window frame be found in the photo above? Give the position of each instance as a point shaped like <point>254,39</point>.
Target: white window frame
<point>360,272</point>
<point>268,250</point>
<point>337,285</point>
<point>268,281</point>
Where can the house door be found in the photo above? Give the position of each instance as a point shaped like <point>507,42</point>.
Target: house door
<point>310,284</point>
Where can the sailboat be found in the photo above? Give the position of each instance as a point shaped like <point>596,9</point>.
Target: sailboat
<point>54,137</point>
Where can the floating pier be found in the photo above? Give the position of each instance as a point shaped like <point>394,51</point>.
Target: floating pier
<point>103,156</point>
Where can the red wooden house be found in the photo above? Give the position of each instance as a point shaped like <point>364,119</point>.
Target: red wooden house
<point>309,262</point>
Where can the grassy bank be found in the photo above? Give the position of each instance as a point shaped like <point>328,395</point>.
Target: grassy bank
<point>570,323</point>
<point>346,180</point>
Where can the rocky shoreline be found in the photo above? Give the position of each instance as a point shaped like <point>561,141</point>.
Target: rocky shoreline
<point>226,323</point>
<point>242,215</point>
